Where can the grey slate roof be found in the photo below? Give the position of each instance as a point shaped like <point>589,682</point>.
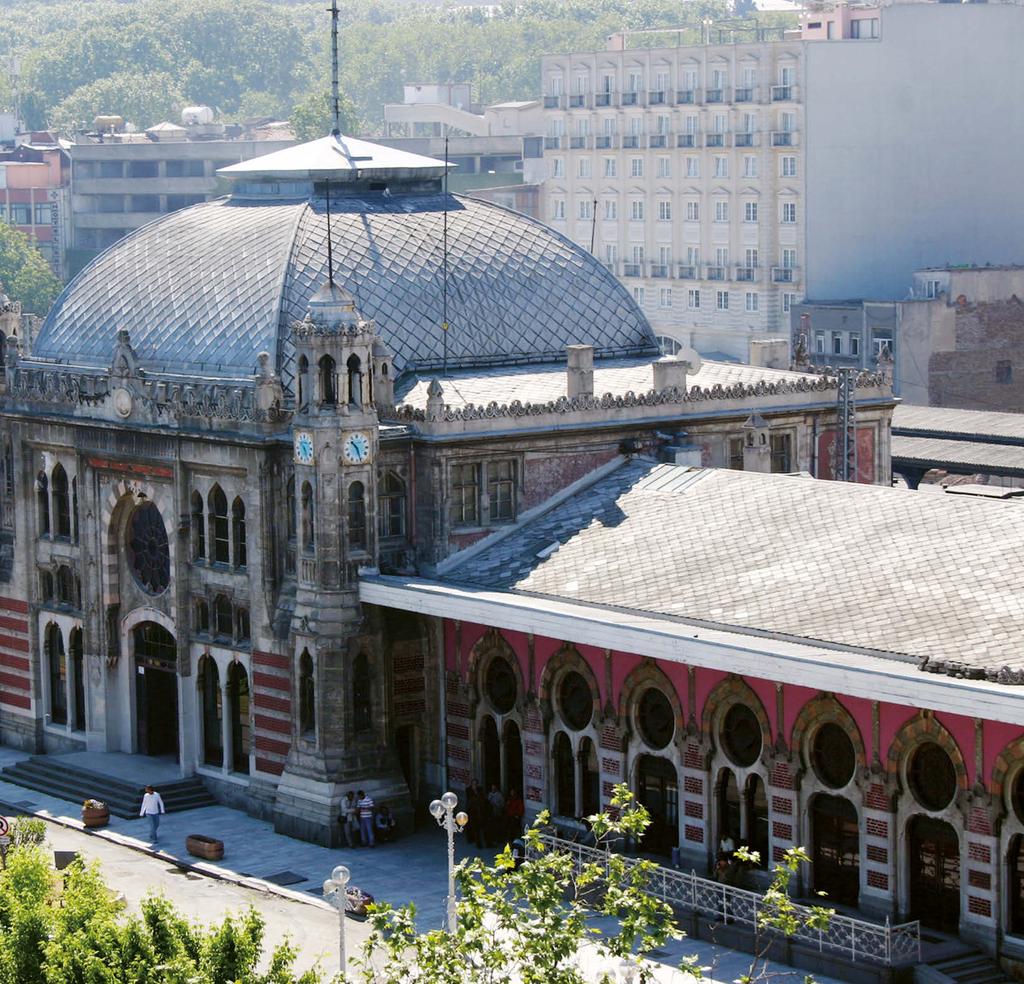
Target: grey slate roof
<point>963,424</point>
<point>545,383</point>
<point>900,573</point>
<point>933,452</point>
<point>205,289</point>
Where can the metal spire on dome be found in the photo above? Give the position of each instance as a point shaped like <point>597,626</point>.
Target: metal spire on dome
<point>335,100</point>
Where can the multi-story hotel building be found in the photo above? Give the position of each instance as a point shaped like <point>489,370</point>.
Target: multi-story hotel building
<point>683,167</point>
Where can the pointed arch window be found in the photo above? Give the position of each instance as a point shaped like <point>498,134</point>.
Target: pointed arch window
<point>74,508</point>
<point>43,503</point>
<point>220,547</point>
<point>328,382</point>
<point>356,516</point>
<point>77,679</point>
<point>211,712</point>
<point>391,506</point>
<point>198,527</point>
<point>56,665</point>
<point>308,536</point>
<point>238,531</point>
<point>355,381</point>
<point>238,711</point>
<point>565,776</point>
<point>223,617</point>
<point>61,503</point>
<point>303,381</point>
<point>307,695</point>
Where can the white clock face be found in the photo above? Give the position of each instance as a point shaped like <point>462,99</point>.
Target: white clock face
<point>304,448</point>
<point>356,448</point>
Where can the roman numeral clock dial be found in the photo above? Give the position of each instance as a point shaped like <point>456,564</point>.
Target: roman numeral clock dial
<point>356,448</point>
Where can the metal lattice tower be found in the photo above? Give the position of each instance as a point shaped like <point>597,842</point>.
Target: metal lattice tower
<point>844,456</point>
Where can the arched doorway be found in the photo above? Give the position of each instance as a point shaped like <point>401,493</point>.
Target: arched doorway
<point>513,757</point>
<point>565,776</point>
<point>729,818</point>
<point>238,710</point>
<point>491,752</point>
<point>57,667</point>
<point>757,818</point>
<point>658,790</point>
<point>934,873</point>
<point>590,779</point>
<point>77,679</point>
<point>210,712</point>
<point>156,690</point>
<point>1015,885</point>
<point>835,834</point>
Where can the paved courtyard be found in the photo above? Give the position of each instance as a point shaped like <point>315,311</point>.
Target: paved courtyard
<point>283,877</point>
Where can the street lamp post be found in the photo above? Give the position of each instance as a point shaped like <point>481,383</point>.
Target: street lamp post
<point>336,888</point>
<point>443,811</point>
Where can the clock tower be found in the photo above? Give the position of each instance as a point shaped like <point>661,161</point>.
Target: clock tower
<point>342,370</point>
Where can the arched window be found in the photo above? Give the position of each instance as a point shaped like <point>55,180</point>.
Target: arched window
<point>202,611</point>
<point>238,709</point>
<point>303,381</point>
<point>512,748</point>
<point>57,669</point>
<point>46,585</point>
<point>757,819</point>
<point>74,508</point>
<point>355,381</point>
<point>729,810</point>
<point>307,694</point>
<point>242,629</point>
<point>362,698</point>
<point>590,778</point>
<point>238,531</point>
<point>43,503</point>
<point>490,753</point>
<point>61,503</point>
<point>220,548</point>
<point>391,506</point>
<point>565,776</point>
<point>222,617</point>
<point>198,527</point>
<point>65,585</point>
<point>211,711</point>
<point>356,517</point>
<point>307,517</point>
<point>328,382</point>
<point>77,679</point>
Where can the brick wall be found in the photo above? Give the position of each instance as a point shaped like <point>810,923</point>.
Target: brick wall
<point>272,705</point>
<point>15,657</point>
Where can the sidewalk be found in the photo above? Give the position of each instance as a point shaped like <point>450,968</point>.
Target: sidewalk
<point>414,869</point>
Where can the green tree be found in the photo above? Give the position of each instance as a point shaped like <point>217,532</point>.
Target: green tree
<point>313,116</point>
<point>142,99</point>
<point>26,276</point>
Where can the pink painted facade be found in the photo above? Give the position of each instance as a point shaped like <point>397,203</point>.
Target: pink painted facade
<point>782,798</point>
<point>842,22</point>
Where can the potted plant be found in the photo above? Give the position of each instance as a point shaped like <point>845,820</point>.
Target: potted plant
<point>201,846</point>
<point>95,813</point>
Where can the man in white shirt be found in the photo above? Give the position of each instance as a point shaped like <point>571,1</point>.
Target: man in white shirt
<point>152,807</point>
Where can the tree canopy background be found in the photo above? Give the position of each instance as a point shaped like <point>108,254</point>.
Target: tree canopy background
<point>145,59</point>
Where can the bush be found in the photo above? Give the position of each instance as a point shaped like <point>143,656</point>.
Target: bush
<point>28,832</point>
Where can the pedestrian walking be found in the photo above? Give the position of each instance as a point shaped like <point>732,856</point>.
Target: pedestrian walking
<point>152,807</point>
<point>365,807</point>
<point>348,818</point>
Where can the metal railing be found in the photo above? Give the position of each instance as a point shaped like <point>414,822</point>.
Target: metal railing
<point>686,97</point>
<point>686,140</point>
<point>655,98</point>
<point>782,138</point>
<point>632,269</point>
<point>715,273</point>
<point>631,140</point>
<point>714,95</point>
<point>714,139</point>
<point>743,95</point>
<point>853,939</point>
<point>744,139</point>
<point>630,98</point>
<point>577,100</point>
<point>552,102</point>
<point>782,93</point>
<point>687,271</point>
<point>552,143</point>
<point>604,142</point>
<point>656,140</point>
<point>659,269</point>
<point>603,98</point>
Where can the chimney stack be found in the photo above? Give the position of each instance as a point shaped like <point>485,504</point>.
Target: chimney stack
<point>670,372</point>
<point>580,371</point>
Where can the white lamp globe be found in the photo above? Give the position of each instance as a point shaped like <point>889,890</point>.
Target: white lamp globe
<point>437,809</point>
<point>449,800</point>
<point>341,875</point>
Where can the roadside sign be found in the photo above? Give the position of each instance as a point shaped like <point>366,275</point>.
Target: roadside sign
<point>5,841</point>
<point>5,827</point>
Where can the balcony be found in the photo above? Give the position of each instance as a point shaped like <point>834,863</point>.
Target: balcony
<point>605,142</point>
<point>552,143</point>
<point>603,98</point>
<point>686,272</point>
<point>746,275</point>
<point>743,95</point>
<point>744,139</point>
<point>782,138</point>
<point>631,142</point>
<point>782,93</point>
<point>579,143</point>
<point>552,102</point>
<point>714,95</point>
<point>632,269</point>
<point>612,267</point>
<point>715,273</point>
<point>655,98</point>
<point>714,139</point>
<point>783,275</point>
<point>577,101</point>
<point>686,140</point>
<point>631,99</point>
<point>657,140</point>
<point>659,270</point>
<point>686,97</point>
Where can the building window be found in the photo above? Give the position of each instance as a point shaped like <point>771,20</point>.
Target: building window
<point>750,301</point>
<point>741,735</point>
<point>465,495</point>
<point>722,300</point>
<point>243,628</point>
<point>854,345</point>
<point>328,381</point>
<point>664,211</point>
<point>749,167</point>
<point>932,289</point>
<point>837,344</point>
<point>501,490</point>
<point>721,211</point>
<point>584,209</point>
<point>781,445</point>
<point>819,343</point>
<point>609,167</point>
<point>308,525</point>
<point>391,506</point>
<point>20,214</point>
<point>693,298</point>
<point>43,213</point>
<point>789,212</point>
<point>931,776</point>
<point>788,302</point>
<point>866,27</point>
<point>223,618</point>
<point>636,210</point>
<point>238,531</point>
<point>210,699</point>
<point>640,296</point>
<point>148,549</point>
<point>1004,372</point>
<point>583,167</point>
<point>61,503</point>
<point>736,453</point>
<point>220,547</point>
<point>611,209</point>
<point>665,297</point>
<point>58,674</point>
<point>238,715</point>
<point>693,211</point>
<point>750,211</point>
<point>201,612</point>
<point>788,167</point>
<point>356,516</point>
<point>668,345</point>
<point>307,695</point>
<point>655,719</point>
<point>693,167</point>
<point>43,503</point>
<point>721,167</point>
<point>636,167</point>
<point>664,167</point>
<point>558,208</point>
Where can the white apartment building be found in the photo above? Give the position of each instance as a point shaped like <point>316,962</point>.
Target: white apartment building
<point>684,168</point>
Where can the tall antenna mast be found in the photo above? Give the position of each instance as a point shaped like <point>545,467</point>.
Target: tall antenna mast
<point>335,101</point>
<point>444,265</point>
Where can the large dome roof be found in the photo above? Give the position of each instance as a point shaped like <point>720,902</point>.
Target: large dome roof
<point>204,290</point>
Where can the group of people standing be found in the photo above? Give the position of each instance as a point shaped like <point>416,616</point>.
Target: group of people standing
<point>362,823</point>
<point>493,817</point>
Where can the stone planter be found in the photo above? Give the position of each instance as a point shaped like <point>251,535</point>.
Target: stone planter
<point>95,816</point>
<point>201,846</point>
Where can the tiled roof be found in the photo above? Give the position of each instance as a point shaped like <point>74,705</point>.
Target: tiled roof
<point>934,452</point>
<point>964,423</point>
<point>203,290</point>
<point>901,573</point>
<point>545,383</point>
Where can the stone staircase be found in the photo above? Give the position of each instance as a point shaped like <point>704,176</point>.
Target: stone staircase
<point>48,774</point>
<point>971,967</point>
